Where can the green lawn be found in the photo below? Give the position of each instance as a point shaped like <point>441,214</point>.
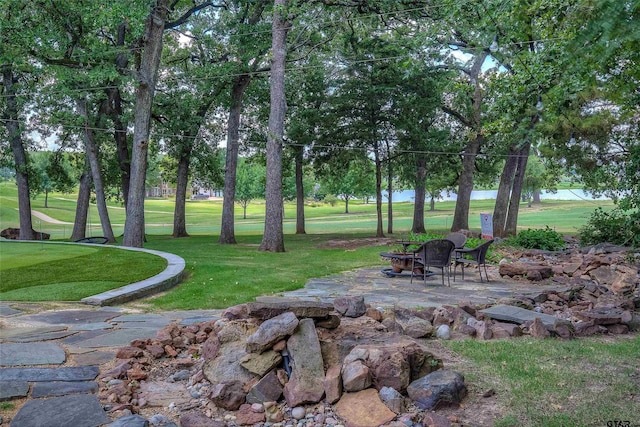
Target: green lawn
<point>35,271</point>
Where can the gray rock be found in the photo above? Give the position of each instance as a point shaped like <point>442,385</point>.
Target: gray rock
<point>75,410</point>
<point>225,367</point>
<point>443,332</point>
<point>181,375</point>
<point>518,315</point>
<point>37,353</point>
<point>352,306</point>
<point>71,373</point>
<point>439,388</point>
<point>271,331</point>
<point>11,389</point>
<point>393,399</point>
<point>130,421</point>
<point>61,388</point>
<point>307,367</point>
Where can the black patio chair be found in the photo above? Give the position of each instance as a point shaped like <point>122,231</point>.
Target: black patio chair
<point>476,256</point>
<point>434,253</point>
<point>458,239</point>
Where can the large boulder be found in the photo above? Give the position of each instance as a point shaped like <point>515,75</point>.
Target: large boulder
<point>271,331</point>
<point>439,388</point>
<point>307,367</point>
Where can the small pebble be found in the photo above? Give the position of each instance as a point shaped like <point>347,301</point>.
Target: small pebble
<point>298,412</point>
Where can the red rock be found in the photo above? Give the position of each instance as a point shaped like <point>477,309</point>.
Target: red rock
<point>129,353</point>
<point>246,416</point>
<point>136,374</point>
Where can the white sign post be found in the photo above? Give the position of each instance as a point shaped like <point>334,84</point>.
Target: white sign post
<point>486,225</point>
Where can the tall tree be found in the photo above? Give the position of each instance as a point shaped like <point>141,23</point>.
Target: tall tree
<point>13,58</point>
<point>147,74</point>
<point>273,237</point>
<point>248,60</point>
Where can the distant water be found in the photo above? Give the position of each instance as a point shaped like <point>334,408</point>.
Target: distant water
<point>577,194</point>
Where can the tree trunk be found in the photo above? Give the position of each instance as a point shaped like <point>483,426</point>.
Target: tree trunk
<point>465,185</point>
<point>420,194</point>
<point>273,237</point>
<point>122,148</point>
<point>390,191</point>
<point>300,226</point>
<point>536,196</point>
<point>10,117</point>
<point>376,155</point>
<point>179,212</point>
<point>91,151</point>
<point>465,181</point>
<point>147,75</point>
<point>46,198</point>
<point>227,227</point>
<point>500,210</point>
<point>511,224</point>
<point>117,115</point>
<point>82,206</point>
<point>346,205</point>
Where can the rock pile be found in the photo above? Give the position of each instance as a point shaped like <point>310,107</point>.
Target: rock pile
<point>340,364</point>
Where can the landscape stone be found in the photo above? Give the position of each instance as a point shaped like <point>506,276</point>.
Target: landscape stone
<point>439,388</point>
<point>518,315</point>
<point>351,306</point>
<point>363,409</point>
<point>41,353</point>
<point>130,421</point>
<point>301,309</point>
<point>393,399</point>
<point>61,388</point>
<point>271,331</point>
<point>333,384</point>
<point>228,395</point>
<point>532,272</point>
<point>198,419</point>
<point>70,373</point>
<point>262,363</point>
<point>538,329</point>
<point>603,315</point>
<point>356,376</point>
<point>268,389</point>
<point>74,410</point>
<point>11,389</point>
<point>162,393</point>
<point>225,367</point>
<point>307,367</point>
<point>246,416</point>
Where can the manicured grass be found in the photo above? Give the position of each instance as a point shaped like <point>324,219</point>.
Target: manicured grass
<point>36,271</point>
<point>225,275</point>
<point>204,216</point>
<point>550,382</point>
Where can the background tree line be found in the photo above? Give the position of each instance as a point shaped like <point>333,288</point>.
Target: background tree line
<point>434,95</point>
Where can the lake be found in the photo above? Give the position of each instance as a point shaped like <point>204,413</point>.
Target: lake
<point>567,194</point>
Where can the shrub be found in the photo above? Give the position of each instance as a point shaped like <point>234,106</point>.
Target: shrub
<point>613,226</point>
<point>330,199</point>
<point>545,239</point>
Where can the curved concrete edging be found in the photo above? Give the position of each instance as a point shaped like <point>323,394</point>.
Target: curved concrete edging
<point>171,276</point>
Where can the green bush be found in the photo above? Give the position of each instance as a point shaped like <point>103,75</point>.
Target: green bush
<point>330,199</point>
<point>545,239</point>
<point>613,226</point>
